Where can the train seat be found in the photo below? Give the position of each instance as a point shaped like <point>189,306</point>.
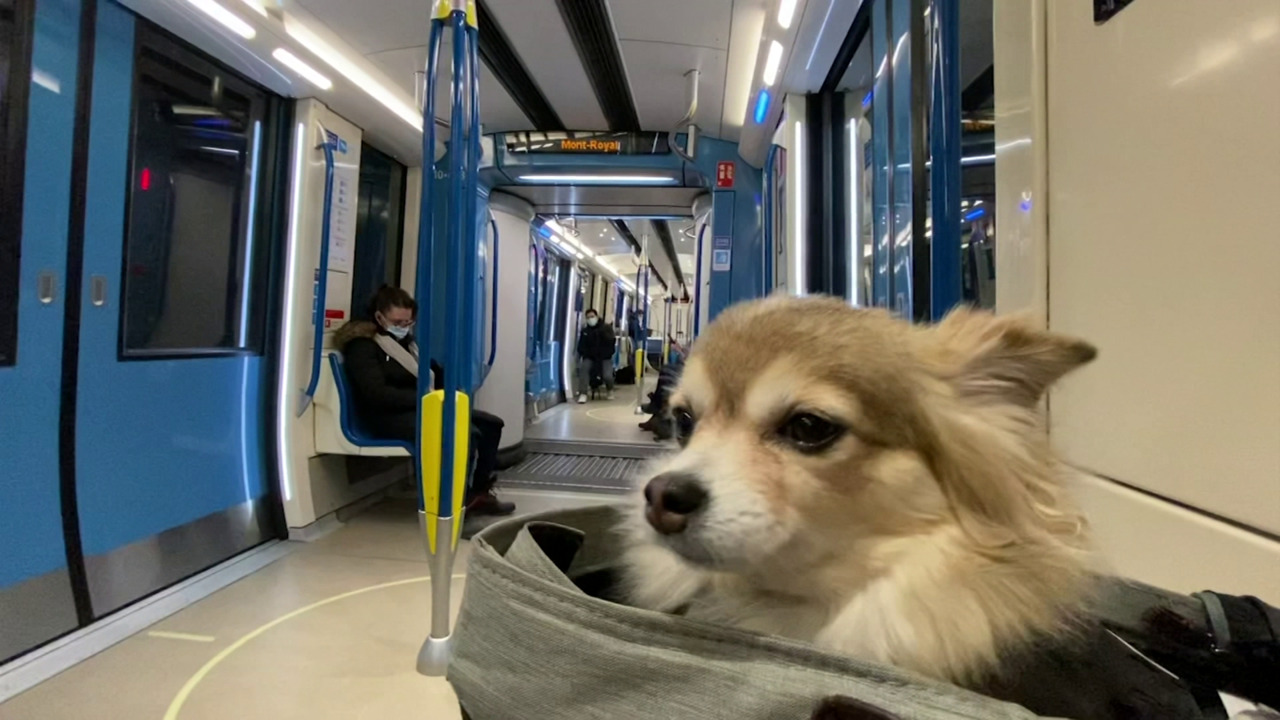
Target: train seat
<point>338,427</point>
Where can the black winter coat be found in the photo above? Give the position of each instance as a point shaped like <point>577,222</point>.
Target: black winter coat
<point>380,384</point>
<point>596,343</point>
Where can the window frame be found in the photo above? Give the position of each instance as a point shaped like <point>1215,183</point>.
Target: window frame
<point>13,135</point>
<point>154,50</point>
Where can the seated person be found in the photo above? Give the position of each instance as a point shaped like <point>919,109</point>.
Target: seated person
<point>659,401</point>
<point>595,353</point>
<point>381,360</point>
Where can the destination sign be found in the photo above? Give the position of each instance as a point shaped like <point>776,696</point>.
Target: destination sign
<point>589,143</point>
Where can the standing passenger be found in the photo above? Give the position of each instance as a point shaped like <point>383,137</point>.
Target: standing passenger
<point>595,355</point>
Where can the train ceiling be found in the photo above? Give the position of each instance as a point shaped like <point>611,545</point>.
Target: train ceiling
<point>578,64</point>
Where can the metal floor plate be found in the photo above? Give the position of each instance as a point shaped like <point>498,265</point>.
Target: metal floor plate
<point>581,473</point>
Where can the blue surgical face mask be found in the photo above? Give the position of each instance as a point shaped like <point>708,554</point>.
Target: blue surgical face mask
<point>398,332</point>
<point>591,322</point>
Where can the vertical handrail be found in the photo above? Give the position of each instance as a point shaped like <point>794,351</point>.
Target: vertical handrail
<point>769,210</point>
<point>493,302</point>
<point>445,415</point>
<point>697,280</point>
<point>322,279</point>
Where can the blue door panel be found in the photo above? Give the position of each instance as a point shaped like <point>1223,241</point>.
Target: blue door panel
<point>160,443</point>
<point>36,601</point>
<point>31,532</point>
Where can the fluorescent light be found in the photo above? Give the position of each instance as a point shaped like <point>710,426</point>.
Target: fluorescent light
<point>257,6</point>
<point>786,11</point>
<point>312,75</point>
<point>389,99</point>
<point>636,179</point>
<point>227,18</point>
<point>773,62</point>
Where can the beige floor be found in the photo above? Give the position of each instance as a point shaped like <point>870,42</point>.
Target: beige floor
<point>331,630</point>
<point>612,421</point>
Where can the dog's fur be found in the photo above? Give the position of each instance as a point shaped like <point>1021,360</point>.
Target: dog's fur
<point>934,535</point>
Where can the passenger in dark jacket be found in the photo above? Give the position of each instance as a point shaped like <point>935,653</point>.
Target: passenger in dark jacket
<point>381,360</point>
<point>596,344</point>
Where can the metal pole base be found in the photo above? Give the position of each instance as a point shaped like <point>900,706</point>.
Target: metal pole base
<point>437,650</point>
<point>434,657</point>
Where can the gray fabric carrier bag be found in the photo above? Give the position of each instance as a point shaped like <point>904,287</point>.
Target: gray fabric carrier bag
<point>532,645</point>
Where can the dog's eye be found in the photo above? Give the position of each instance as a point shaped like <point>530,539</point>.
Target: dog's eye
<point>684,423</point>
<point>809,433</point>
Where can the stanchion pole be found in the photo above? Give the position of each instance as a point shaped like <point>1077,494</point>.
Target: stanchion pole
<point>444,416</point>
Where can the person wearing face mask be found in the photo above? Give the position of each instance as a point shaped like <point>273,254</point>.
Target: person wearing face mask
<point>381,359</point>
<point>595,355</point>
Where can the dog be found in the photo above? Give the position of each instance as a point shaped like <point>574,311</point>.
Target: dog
<point>878,489</point>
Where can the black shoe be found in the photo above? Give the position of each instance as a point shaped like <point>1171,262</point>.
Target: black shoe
<point>649,425</point>
<point>489,504</point>
<point>649,408</point>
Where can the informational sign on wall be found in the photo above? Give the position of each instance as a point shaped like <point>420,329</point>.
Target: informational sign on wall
<point>342,216</point>
<point>721,253</point>
<point>724,174</point>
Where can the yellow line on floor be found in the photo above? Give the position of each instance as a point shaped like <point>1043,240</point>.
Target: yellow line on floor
<point>181,636</point>
<point>181,698</point>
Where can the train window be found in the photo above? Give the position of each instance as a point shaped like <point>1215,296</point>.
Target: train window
<point>379,228</point>
<point>15,69</point>
<point>188,285</point>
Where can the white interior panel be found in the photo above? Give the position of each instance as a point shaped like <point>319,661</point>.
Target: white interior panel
<point>374,25</point>
<point>600,238</point>
<point>498,112</point>
<point>704,23</point>
<point>655,72</point>
<point>503,391</point>
<point>1159,543</point>
<point>748,24</point>
<point>1163,179</point>
<point>540,38</point>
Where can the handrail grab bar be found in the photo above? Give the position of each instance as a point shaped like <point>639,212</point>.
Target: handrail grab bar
<point>322,281</point>
<point>691,141</point>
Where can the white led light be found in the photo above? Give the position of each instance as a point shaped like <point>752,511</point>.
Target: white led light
<point>312,75</point>
<point>773,62</point>
<point>630,179</point>
<point>787,11</point>
<point>348,69</point>
<point>256,6</point>
<point>227,18</point>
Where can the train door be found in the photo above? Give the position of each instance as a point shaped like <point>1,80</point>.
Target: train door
<point>36,599</point>
<point>169,437</point>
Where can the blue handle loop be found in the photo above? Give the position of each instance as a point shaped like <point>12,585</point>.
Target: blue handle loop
<point>322,279</point>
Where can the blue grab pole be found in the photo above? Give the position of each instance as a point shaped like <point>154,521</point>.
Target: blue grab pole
<point>697,279</point>
<point>443,457</point>
<point>944,148</point>
<point>322,278</point>
<point>427,244</point>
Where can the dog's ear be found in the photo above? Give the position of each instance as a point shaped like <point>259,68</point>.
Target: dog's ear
<point>1005,358</point>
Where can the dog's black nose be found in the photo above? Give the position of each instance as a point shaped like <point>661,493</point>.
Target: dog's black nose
<point>672,498</point>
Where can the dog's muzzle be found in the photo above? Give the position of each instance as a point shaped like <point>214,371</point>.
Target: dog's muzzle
<point>671,498</point>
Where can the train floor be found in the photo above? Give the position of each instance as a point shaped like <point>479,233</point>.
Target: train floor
<point>329,630</point>
<point>597,421</point>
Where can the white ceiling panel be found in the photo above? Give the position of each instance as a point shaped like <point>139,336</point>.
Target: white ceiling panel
<point>538,34</point>
<point>705,23</point>
<point>656,71</point>
<point>375,25</point>
<point>498,112</point>
<point>600,238</point>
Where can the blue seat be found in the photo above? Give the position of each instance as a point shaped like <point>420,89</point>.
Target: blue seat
<point>352,428</point>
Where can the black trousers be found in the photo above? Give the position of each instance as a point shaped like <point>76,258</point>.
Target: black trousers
<point>486,438</point>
